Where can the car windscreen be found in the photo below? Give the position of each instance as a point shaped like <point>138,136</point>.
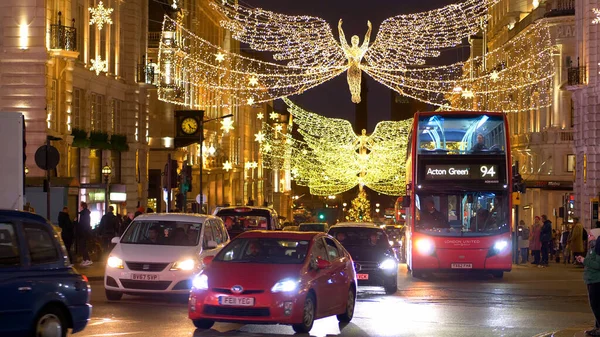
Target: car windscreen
<point>247,219</point>
<point>166,233</point>
<point>356,236</point>
<point>264,250</point>
<point>312,228</point>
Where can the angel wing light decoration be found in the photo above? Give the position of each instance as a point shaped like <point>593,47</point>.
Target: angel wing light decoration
<point>330,158</point>
<point>197,73</point>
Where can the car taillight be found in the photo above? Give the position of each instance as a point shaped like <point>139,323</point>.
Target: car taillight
<point>85,278</point>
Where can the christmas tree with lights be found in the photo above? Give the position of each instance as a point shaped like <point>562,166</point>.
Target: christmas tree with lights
<point>361,208</point>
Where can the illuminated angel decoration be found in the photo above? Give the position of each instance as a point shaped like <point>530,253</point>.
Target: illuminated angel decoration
<point>197,73</point>
<point>330,158</point>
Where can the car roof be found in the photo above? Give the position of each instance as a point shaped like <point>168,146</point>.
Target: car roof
<point>356,225</point>
<point>22,215</point>
<point>313,223</point>
<point>192,217</point>
<point>280,235</point>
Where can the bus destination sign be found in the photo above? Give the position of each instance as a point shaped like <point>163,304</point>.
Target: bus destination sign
<point>462,172</point>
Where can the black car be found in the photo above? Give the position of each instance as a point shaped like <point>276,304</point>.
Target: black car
<point>374,259</point>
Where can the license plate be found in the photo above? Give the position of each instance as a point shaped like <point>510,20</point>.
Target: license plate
<point>462,266</point>
<point>236,301</point>
<point>362,276</point>
<point>144,277</point>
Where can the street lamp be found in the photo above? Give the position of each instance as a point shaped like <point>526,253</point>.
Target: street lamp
<point>202,121</point>
<point>106,172</point>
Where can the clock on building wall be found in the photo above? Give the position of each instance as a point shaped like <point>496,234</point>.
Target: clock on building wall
<point>187,127</point>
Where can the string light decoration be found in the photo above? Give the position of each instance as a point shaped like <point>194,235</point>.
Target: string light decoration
<point>99,65</point>
<point>330,158</point>
<point>100,15</point>
<point>192,75</point>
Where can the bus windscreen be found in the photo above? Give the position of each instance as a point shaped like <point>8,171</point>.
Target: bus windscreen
<point>462,213</point>
<point>461,134</point>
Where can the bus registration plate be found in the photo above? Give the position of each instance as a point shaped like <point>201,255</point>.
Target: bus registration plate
<point>462,266</point>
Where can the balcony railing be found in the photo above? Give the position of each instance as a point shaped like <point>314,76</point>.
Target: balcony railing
<point>561,8</point>
<point>63,37</point>
<point>145,74</point>
<point>576,75</point>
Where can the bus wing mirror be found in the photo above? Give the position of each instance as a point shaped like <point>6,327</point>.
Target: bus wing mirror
<point>406,201</point>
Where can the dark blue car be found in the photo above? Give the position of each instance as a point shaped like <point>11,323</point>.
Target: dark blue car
<point>40,292</point>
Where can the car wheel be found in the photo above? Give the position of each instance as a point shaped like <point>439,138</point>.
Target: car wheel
<point>498,274</point>
<point>203,323</point>
<point>350,304</point>
<point>308,316</point>
<point>113,295</point>
<point>51,322</point>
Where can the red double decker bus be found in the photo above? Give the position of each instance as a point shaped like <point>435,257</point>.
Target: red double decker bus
<point>458,201</point>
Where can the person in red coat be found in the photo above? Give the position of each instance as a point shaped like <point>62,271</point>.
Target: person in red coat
<point>535,244</point>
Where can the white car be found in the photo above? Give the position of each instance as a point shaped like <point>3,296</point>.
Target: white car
<point>161,253</point>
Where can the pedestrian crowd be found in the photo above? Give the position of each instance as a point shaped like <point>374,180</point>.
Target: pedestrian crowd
<point>78,236</point>
<point>543,243</point>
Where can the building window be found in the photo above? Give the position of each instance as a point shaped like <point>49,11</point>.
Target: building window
<point>73,161</point>
<point>570,163</point>
<point>76,109</point>
<point>97,109</point>
<point>95,166</point>
<point>116,116</point>
<point>51,107</point>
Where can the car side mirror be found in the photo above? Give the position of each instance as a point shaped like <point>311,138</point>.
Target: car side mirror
<point>211,244</point>
<point>406,201</point>
<point>116,239</point>
<point>207,260</point>
<point>323,264</point>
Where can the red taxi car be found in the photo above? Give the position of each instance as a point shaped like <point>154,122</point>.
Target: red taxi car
<point>267,277</point>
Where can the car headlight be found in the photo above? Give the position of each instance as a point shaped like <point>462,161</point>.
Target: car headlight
<point>388,264</point>
<point>500,245</point>
<point>187,264</point>
<point>286,285</point>
<point>425,246</point>
<point>114,262</point>
<point>200,282</point>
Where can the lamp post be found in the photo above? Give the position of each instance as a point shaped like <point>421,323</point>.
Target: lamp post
<point>106,172</point>
<point>202,121</point>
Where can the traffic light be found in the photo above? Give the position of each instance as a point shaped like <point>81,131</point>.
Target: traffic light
<point>186,172</point>
<point>518,184</point>
<point>170,174</point>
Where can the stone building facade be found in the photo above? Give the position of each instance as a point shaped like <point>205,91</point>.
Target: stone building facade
<point>76,80</point>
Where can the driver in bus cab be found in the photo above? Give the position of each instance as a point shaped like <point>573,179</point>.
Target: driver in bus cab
<point>431,217</point>
<point>480,145</point>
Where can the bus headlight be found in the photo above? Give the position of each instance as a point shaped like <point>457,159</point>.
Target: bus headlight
<point>500,245</point>
<point>425,246</point>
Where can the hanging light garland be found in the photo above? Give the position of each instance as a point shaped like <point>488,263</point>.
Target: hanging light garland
<point>197,73</point>
<point>330,158</point>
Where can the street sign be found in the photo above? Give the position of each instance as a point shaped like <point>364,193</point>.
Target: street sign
<point>47,157</point>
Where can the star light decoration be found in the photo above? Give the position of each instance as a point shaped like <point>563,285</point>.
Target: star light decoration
<point>227,124</point>
<point>330,158</point>
<point>596,20</point>
<point>227,166</point>
<point>312,55</point>
<point>100,15</point>
<point>99,65</point>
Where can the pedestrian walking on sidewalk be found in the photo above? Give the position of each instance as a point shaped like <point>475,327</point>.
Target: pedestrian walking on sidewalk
<point>523,236</point>
<point>564,241</point>
<point>67,230</point>
<point>591,276</point>
<point>576,239</point>
<point>84,232</point>
<point>108,228</point>
<point>535,245</point>
<point>546,239</point>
